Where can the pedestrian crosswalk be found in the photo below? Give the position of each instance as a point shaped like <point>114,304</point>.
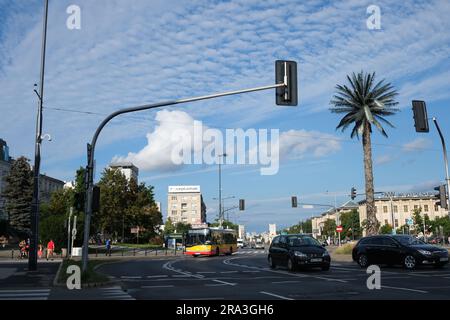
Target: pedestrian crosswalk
<point>115,293</point>
<point>24,294</point>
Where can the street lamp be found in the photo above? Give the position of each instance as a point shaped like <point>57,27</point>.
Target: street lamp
<point>220,156</point>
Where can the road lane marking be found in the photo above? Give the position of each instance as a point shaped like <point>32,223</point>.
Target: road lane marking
<point>405,289</point>
<point>131,277</point>
<point>152,287</point>
<point>275,295</point>
<point>158,276</point>
<point>224,282</point>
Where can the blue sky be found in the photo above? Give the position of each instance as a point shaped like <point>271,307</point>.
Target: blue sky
<point>130,53</point>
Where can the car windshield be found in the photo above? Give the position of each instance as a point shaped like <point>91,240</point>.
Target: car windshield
<point>408,240</point>
<point>295,241</point>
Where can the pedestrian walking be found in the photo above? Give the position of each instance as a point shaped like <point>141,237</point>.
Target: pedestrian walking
<point>40,250</point>
<point>50,249</point>
<point>108,247</point>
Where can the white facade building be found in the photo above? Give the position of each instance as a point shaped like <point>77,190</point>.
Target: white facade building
<point>185,204</point>
<point>127,168</point>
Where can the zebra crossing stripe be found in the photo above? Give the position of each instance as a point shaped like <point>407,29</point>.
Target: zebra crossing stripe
<point>33,294</point>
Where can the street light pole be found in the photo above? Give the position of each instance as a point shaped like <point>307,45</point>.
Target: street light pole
<point>445,162</point>
<point>91,149</point>
<point>223,155</point>
<point>32,259</point>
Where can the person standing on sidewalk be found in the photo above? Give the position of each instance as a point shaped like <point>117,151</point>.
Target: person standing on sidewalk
<point>50,249</point>
<point>108,247</point>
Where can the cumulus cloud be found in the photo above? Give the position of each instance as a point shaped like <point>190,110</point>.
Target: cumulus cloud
<point>253,146</point>
<point>383,159</point>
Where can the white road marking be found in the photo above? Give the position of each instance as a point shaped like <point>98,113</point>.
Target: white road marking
<point>275,295</point>
<point>405,289</point>
<point>33,294</point>
<point>227,283</point>
<point>152,287</point>
<point>131,277</point>
<point>158,276</point>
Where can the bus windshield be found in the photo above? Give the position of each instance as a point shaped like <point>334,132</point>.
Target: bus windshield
<point>194,238</point>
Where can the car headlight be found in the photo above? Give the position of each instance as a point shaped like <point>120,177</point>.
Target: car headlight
<point>425,252</point>
<point>325,254</point>
<point>299,254</point>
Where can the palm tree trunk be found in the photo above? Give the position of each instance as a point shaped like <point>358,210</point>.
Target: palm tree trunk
<point>372,222</point>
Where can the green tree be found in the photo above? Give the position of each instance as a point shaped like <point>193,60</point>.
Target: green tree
<point>169,227</point>
<point>301,227</point>
<point>386,229</point>
<point>181,227</point>
<point>329,227</point>
<point>350,224</point>
<point>365,104</point>
<point>19,195</point>
<point>418,221</point>
<point>225,224</point>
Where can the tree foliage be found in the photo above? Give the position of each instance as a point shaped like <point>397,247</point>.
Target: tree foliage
<point>350,224</point>
<point>329,227</point>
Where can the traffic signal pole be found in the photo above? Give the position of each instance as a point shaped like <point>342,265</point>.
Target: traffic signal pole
<point>445,162</point>
<point>91,147</point>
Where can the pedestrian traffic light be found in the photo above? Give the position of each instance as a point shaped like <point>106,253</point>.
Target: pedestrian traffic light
<point>420,116</point>
<point>441,196</point>
<point>286,72</point>
<point>96,199</point>
<point>241,204</point>
<point>353,193</point>
<point>294,201</point>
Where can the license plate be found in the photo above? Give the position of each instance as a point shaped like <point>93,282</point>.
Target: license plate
<point>443,259</point>
<point>316,260</point>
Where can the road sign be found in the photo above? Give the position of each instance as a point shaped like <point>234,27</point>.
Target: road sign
<point>134,230</point>
<point>409,222</point>
<point>339,229</point>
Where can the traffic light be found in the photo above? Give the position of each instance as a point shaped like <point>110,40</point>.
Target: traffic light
<point>286,72</point>
<point>420,116</point>
<point>353,193</point>
<point>96,199</point>
<point>241,204</point>
<point>294,201</point>
<point>441,196</point>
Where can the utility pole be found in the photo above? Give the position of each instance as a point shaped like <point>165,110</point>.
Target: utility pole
<point>32,259</point>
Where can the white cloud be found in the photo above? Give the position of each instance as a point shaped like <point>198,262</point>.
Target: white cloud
<point>383,159</point>
<point>299,144</point>
<point>417,145</point>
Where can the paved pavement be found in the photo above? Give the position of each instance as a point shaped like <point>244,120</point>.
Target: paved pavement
<point>244,276</point>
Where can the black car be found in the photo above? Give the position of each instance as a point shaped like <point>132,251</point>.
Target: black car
<point>297,250</point>
<point>397,250</point>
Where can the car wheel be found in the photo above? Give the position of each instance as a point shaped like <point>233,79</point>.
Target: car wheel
<point>409,262</point>
<point>272,264</point>
<point>290,265</point>
<point>363,261</point>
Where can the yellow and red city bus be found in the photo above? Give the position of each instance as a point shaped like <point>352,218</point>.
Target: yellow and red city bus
<point>210,241</point>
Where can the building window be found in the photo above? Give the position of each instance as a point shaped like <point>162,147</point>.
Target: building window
<point>416,207</point>
<point>194,212</point>
<point>385,209</point>
<point>174,212</point>
<point>385,222</point>
<point>174,198</point>
<point>425,208</point>
<point>396,223</point>
<point>174,206</point>
<point>436,207</point>
<point>405,208</point>
<point>184,206</point>
<point>395,209</point>
<point>406,221</point>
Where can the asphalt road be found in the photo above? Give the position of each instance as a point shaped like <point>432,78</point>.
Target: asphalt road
<point>245,276</point>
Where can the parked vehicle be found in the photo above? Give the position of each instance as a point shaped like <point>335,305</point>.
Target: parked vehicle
<point>240,243</point>
<point>403,250</point>
<point>258,244</point>
<point>298,250</point>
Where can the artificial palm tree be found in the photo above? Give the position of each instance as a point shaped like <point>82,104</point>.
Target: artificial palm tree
<point>365,104</point>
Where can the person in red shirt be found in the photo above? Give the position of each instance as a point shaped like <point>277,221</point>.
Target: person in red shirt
<point>50,249</point>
